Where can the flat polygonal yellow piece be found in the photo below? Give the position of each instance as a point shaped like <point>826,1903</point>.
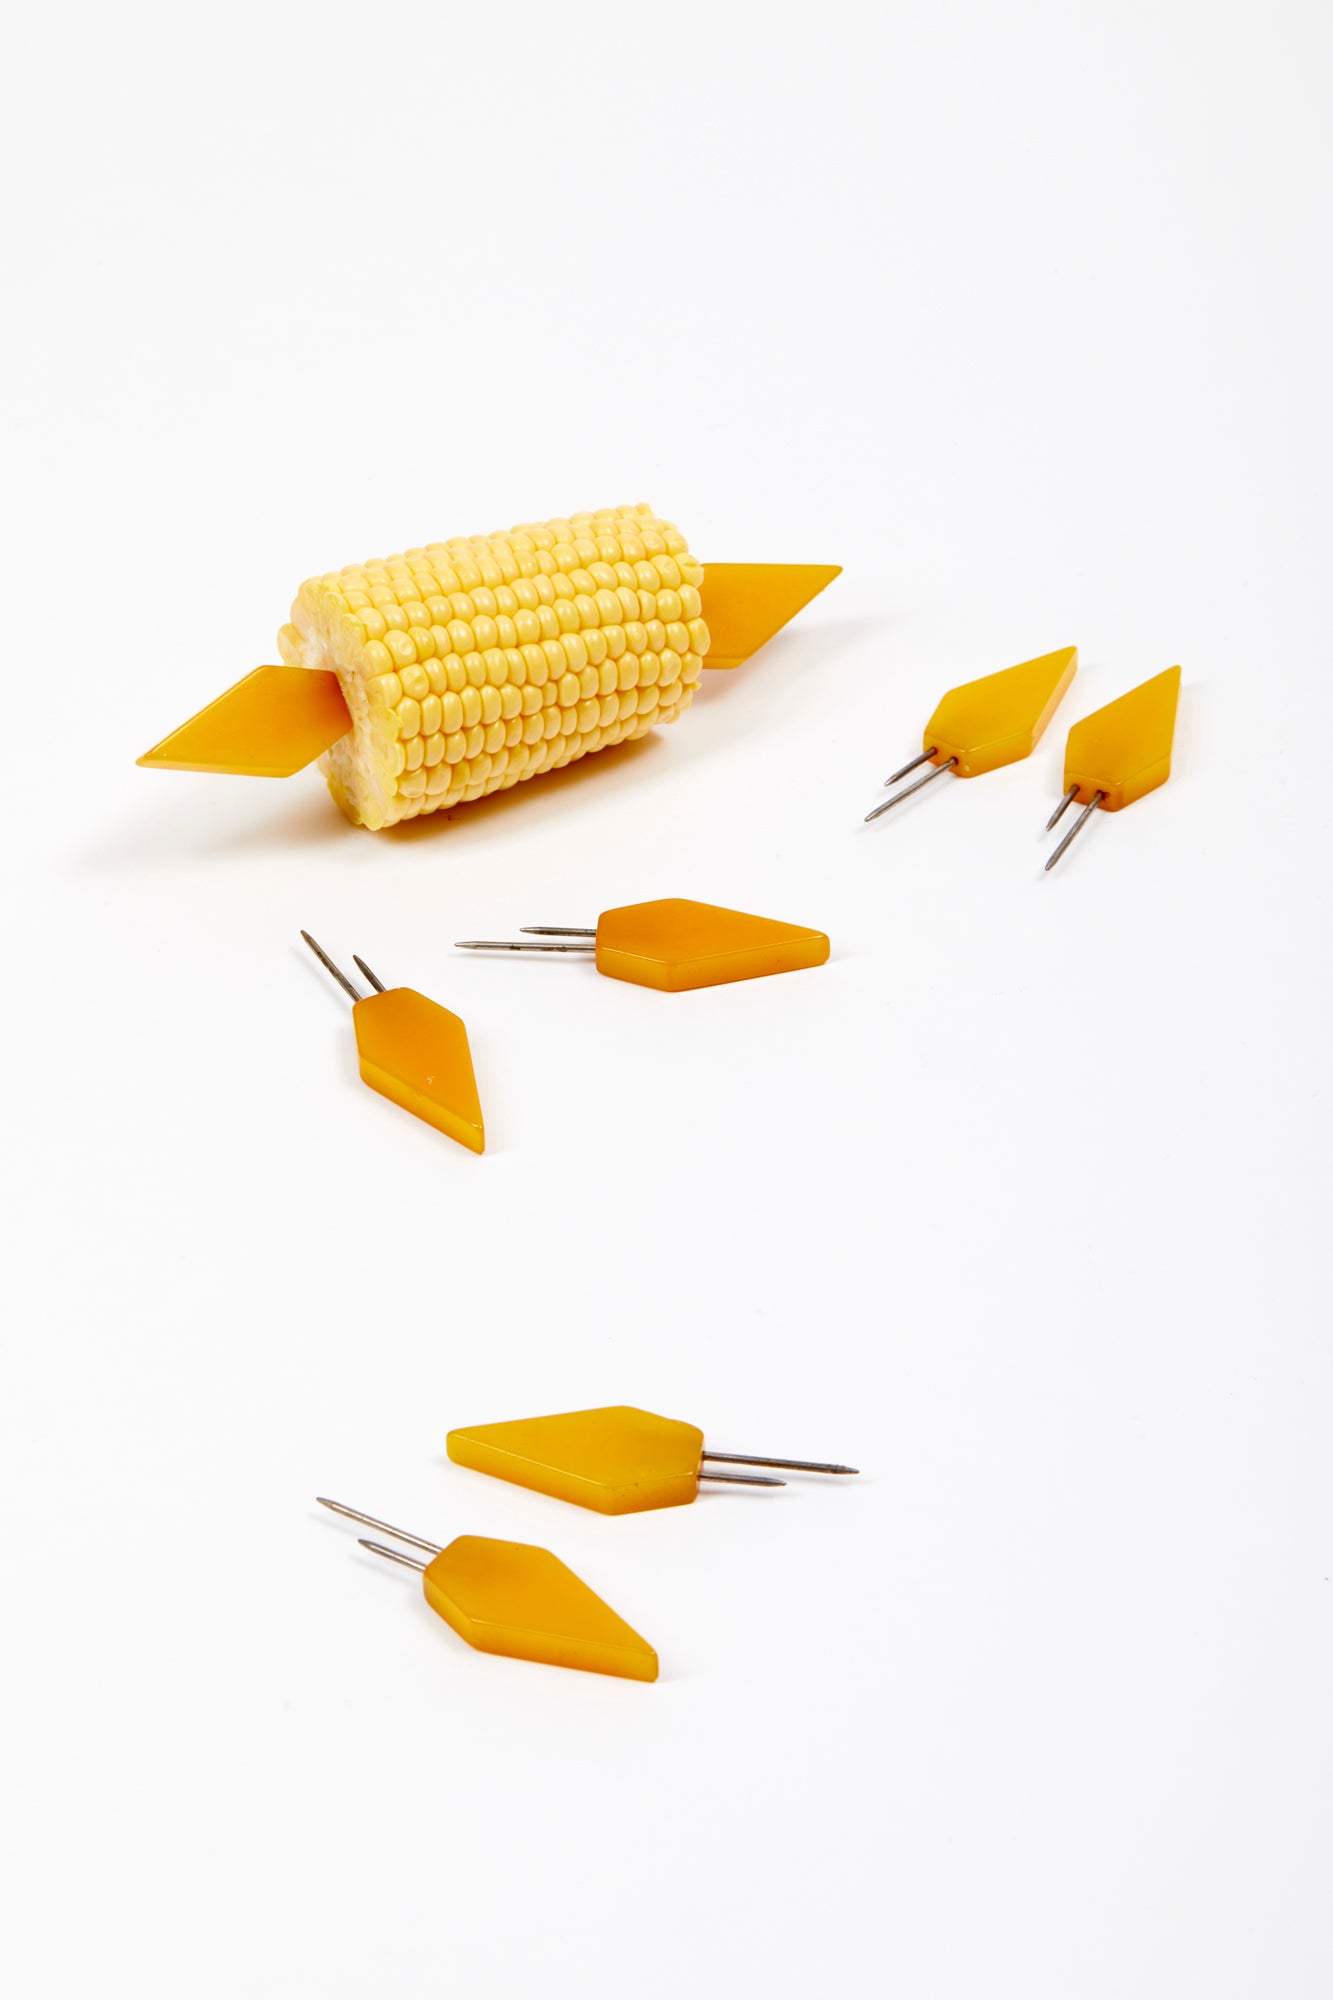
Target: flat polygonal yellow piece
<point>522,1602</point>
<point>416,1053</point>
<point>747,604</point>
<point>269,725</point>
<point>1124,749</point>
<point>676,945</point>
<point>616,1461</point>
<point>999,719</point>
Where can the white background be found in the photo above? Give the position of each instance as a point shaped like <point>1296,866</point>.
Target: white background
<point>1021,312</point>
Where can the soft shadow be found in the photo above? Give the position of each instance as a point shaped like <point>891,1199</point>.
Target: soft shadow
<point>197,826</point>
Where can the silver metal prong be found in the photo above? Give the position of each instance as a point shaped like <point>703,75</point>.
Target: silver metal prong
<point>1076,828</point>
<point>556,930</point>
<point>1058,814</point>
<point>908,790</point>
<point>782,1464</point>
<point>393,1555</point>
<point>329,966</point>
<point>910,767</point>
<point>369,1521</point>
<point>741,1479</point>
<point>506,944</point>
<point>378,984</point>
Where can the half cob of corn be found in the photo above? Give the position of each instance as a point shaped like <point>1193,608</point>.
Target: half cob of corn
<point>464,667</point>
<point>470,665</point>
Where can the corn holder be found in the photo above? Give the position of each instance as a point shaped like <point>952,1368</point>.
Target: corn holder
<point>518,1601</point>
<point>1119,753</point>
<point>677,945</point>
<point>616,1461</point>
<point>986,724</point>
<point>468,666</point>
<point>413,1052</point>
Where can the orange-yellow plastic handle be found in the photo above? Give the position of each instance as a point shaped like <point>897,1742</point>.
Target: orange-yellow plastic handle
<point>416,1054</point>
<point>274,722</point>
<point>522,1602</point>
<point>615,1461</point>
<point>677,945</point>
<point>999,719</point>
<point>747,604</point>
<point>1124,749</point>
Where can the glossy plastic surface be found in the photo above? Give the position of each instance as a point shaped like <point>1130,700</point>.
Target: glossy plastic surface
<point>999,719</point>
<point>417,1054</point>
<point>522,1602</point>
<point>616,1461</point>
<point>1124,749</point>
<point>676,945</point>
<point>274,722</point>
<point>746,604</point>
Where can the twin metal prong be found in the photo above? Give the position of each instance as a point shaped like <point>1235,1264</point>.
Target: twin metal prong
<point>1078,825</point>
<point>432,1549</point>
<point>887,805</point>
<point>338,974</point>
<point>552,931</point>
<point>760,1479</point>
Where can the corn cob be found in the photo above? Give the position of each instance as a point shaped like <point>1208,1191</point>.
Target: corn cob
<point>470,665</point>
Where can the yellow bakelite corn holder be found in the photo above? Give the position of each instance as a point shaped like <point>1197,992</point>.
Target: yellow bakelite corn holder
<point>1119,753</point>
<point>461,668</point>
<point>270,725</point>
<point>518,1601</point>
<point>986,724</point>
<point>522,1602</point>
<point>676,945</point>
<point>616,1461</point>
<point>415,1053</point>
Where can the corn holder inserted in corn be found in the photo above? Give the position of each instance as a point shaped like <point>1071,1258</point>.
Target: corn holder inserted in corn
<point>465,667</point>
<point>617,1461</point>
<point>676,945</point>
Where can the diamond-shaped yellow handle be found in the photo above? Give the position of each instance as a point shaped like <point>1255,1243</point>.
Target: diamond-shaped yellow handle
<point>416,1053</point>
<point>999,719</point>
<point>1124,749</point>
<point>274,722</point>
<point>522,1602</point>
<point>676,945</point>
<point>747,604</point>
<point>617,1461</point>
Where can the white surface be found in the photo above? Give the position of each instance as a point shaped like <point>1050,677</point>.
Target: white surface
<point>1023,314</point>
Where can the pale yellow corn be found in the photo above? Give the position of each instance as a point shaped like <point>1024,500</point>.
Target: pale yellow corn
<point>473,664</point>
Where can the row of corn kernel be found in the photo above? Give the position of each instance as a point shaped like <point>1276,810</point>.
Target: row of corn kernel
<point>429,697</point>
<point>548,726</point>
<point>602,594</point>
<point>588,627</point>
<point>425,789</point>
<point>491,561</point>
